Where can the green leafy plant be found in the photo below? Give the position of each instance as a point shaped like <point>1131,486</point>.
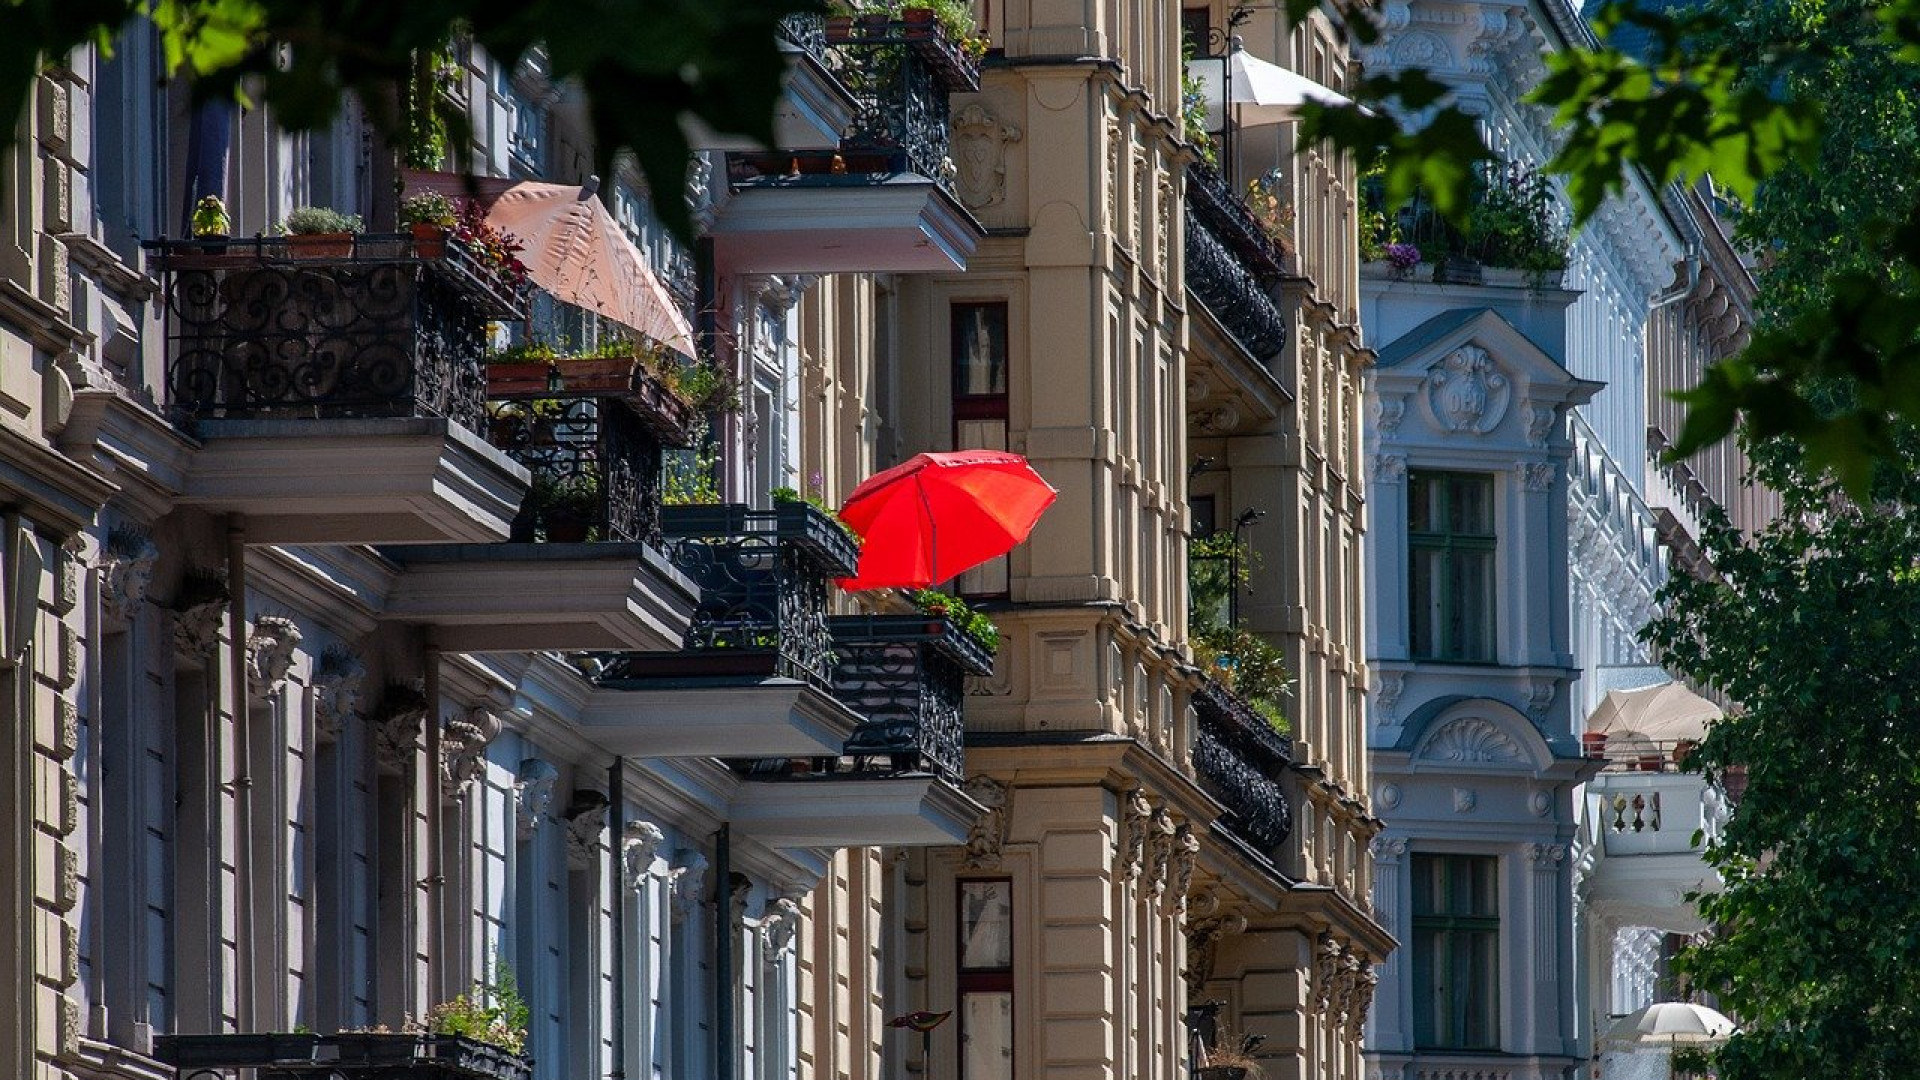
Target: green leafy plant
<point>1270,208</point>
<point>789,495</point>
<point>1243,662</point>
<point>1193,110</point>
<point>497,1016</point>
<point>210,217</point>
<point>687,477</point>
<point>428,208</point>
<point>320,220</point>
<point>974,624</point>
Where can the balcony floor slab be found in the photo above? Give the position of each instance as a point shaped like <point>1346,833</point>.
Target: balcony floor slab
<point>901,223</point>
<point>406,480</point>
<point>717,717</point>
<point>533,597</point>
<point>911,810</point>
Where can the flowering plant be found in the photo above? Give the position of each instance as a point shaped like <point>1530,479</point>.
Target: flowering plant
<point>1275,214</point>
<point>491,246</point>
<point>1404,257</point>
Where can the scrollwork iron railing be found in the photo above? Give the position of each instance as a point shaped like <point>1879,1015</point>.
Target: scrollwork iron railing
<point>764,577</point>
<point>1218,279</point>
<point>595,466</point>
<point>1239,757</point>
<point>906,674</point>
<point>255,332</point>
<point>359,1056</point>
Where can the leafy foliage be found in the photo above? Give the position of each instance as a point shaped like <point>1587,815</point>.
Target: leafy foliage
<point>717,62</point>
<point>320,220</point>
<point>497,1016</point>
<point>1809,628</point>
<point>975,624</point>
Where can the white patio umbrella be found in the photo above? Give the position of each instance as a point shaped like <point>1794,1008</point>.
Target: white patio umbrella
<point>1257,93</point>
<point>1671,1023</point>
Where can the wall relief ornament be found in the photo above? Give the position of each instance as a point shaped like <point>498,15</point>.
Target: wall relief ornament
<point>73,559</point>
<point>270,655</point>
<point>1473,740</point>
<point>689,884</point>
<point>777,929</point>
<point>586,818</point>
<point>336,692</point>
<point>1136,814</point>
<point>1387,688</point>
<point>639,842</point>
<point>1186,852</point>
<point>126,572</point>
<point>463,749</point>
<point>1468,392</point>
<point>1539,425</point>
<point>1160,833</point>
<point>1325,972</point>
<point>1388,468</point>
<point>1537,475</point>
<point>532,795</point>
<point>1203,945</point>
<point>396,728</point>
<point>989,832</point>
<point>1387,412</point>
<point>1464,800</point>
<point>979,142</point>
<point>198,613</point>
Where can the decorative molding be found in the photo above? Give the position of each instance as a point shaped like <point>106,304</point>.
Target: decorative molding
<point>989,832</point>
<point>689,883</point>
<point>586,819</point>
<point>979,143</point>
<point>1468,392</point>
<point>1540,804</point>
<point>532,795</point>
<point>1546,857</point>
<point>1537,475</point>
<point>1540,695</point>
<point>270,648</point>
<point>396,728</point>
<point>1464,800</point>
<point>1186,852</point>
<point>1472,740</point>
<point>1539,424</point>
<point>336,692</point>
<point>1387,411</point>
<point>1136,814</point>
<point>126,572</point>
<point>1388,685</point>
<point>463,749</point>
<point>1388,848</point>
<point>1387,468</point>
<point>639,842</point>
<point>1388,797</point>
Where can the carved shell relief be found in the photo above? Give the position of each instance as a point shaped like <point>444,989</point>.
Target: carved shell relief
<point>1473,740</point>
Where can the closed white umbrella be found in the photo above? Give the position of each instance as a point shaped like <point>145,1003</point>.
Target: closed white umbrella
<point>1671,1023</point>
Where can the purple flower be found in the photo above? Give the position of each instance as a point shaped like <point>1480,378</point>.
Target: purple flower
<point>1403,256</point>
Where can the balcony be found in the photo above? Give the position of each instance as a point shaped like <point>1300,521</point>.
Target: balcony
<point>1239,759</point>
<point>363,1056</point>
<point>1231,266</point>
<point>880,199</point>
<point>338,399</point>
<point>754,672</point>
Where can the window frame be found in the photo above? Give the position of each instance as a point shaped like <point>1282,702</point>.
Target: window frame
<point>1446,925</point>
<point>1451,545</point>
<point>983,981</point>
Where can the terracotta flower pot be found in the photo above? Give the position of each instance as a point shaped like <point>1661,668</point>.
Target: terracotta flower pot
<point>429,241</point>
<point>320,245</point>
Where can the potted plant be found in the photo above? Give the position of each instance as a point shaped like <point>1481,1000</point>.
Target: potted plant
<point>1230,1057</point>
<point>978,628</point>
<point>494,251</point>
<point>210,220</point>
<point>319,232</point>
<point>429,216</point>
<point>569,505</point>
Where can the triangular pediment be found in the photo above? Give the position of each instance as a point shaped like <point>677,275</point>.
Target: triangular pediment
<point>1470,372</point>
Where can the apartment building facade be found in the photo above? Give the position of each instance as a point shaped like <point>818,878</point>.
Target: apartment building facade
<point>319,724</point>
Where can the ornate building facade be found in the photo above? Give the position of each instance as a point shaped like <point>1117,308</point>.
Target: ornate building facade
<point>317,724</point>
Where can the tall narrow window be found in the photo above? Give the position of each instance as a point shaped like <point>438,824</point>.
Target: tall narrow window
<point>980,406</point>
<point>1450,549</point>
<point>986,980</point>
<point>1456,952</point>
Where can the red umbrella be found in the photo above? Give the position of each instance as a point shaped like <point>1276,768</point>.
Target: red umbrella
<point>935,515</point>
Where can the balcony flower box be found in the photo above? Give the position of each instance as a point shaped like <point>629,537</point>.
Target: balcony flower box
<point>621,378</point>
<point>320,245</point>
<point>834,551</point>
<point>367,1055</point>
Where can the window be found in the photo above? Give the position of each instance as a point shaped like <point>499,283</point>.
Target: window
<point>1450,547</point>
<point>986,980</point>
<point>1456,952</point>
<point>979,359</point>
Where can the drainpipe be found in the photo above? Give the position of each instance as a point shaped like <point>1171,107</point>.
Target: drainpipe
<point>616,788</point>
<point>440,978</point>
<point>723,1066</point>
<point>242,770</point>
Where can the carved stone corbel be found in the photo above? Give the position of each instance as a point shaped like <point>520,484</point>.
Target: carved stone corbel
<point>463,749</point>
<point>586,819</point>
<point>396,728</point>
<point>639,842</point>
<point>1160,831</point>
<point>1186,851</point>
<point>989,832</point>
<point>533,794</point>
<point>270,648</point>
<point>689,885</point>
<point>126,572</point>
<point>336,693</point>
<point>1135,821</point>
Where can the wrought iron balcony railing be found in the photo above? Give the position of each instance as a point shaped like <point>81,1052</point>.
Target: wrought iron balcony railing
<point>907,675</point>
<point>1239,759</point>
<point>1232,266</point>
<point>595,466</point>
<point>899,74</point>
<point>763,577</point>
<point>364,1056</point>
<point>262,329</point>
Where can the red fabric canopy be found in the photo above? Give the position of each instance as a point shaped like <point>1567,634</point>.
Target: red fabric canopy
<point>936,515</point>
